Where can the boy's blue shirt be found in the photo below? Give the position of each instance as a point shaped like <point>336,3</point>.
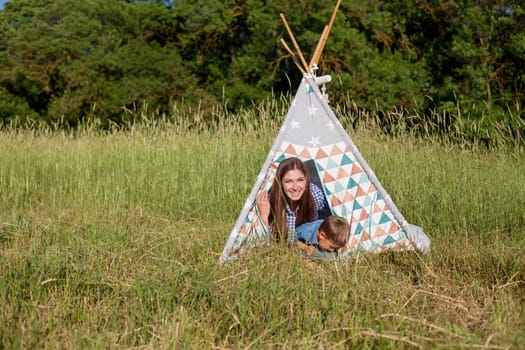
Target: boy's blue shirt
<point>307,232</point>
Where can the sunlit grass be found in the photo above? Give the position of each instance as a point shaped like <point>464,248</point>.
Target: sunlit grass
<point>112,239</point>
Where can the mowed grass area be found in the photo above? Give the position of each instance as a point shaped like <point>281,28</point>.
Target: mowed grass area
<point>112,241</point>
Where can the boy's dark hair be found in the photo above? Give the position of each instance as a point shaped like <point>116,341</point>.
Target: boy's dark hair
<point>336,229</point>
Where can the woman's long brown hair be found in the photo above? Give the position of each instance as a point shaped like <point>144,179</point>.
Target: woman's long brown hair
<point>278,199</point>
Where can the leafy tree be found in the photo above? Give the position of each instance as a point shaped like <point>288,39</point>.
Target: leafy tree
<point>376,64</point>
<point>13,107</point>
<point>68,58</point>
<point>215,39</point>
<point>472,50</point>
<point>235,48</point>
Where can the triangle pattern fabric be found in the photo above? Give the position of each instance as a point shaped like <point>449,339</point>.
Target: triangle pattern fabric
<point>311,131</point>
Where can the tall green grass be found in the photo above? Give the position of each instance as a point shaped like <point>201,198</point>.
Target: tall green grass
<point>112,239</point>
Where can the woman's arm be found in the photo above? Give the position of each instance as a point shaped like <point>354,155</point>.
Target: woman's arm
<point>263,205</point>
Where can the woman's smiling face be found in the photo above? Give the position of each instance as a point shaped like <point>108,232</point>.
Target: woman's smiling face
<point>294,183</point>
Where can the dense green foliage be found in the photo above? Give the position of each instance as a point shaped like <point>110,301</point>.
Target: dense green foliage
<point>111,240</point>
<point>68,60</point>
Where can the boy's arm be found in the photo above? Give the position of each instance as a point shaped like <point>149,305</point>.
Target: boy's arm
<point>308,249</point>
<point>319,254</point>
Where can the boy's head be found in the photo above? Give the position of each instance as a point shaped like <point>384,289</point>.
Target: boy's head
<point>333,233</point>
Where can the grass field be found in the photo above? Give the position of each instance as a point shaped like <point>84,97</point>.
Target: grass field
<point>112,240</point>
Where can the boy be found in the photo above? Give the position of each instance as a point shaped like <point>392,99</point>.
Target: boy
<point>326,235</point>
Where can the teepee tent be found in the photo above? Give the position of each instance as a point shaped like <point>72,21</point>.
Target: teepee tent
<point>312,132</point>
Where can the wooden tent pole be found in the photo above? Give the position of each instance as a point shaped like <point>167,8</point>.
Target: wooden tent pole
<point>324,37</point>
<point>318,48</point>
<point>303,61</point>
<point>294,58</point>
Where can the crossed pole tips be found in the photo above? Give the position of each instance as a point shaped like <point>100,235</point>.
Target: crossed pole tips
<point>301,62</point>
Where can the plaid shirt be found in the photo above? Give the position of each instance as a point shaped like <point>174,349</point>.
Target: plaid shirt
<point>291,216</point>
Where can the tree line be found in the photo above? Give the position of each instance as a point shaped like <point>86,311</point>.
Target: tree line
<point>72,60</point>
